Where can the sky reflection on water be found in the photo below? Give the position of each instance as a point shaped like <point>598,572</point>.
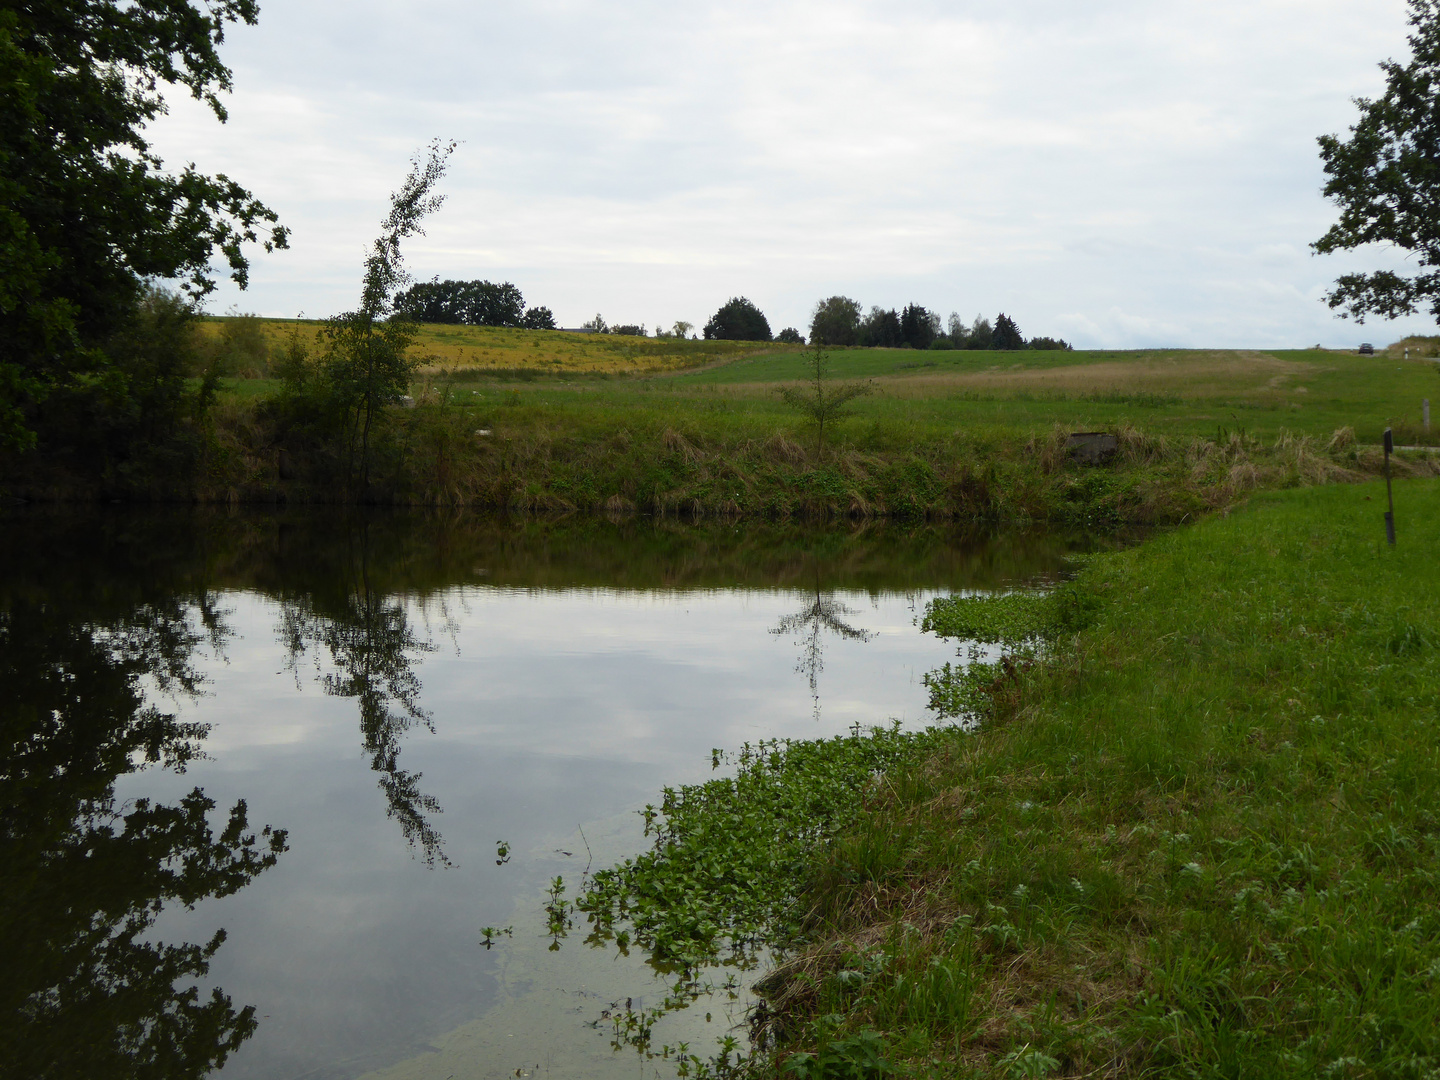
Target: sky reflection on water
<point>504,705</point>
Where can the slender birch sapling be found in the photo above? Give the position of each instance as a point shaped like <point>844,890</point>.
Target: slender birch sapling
<point>367,362</point>
<point>819,397</point>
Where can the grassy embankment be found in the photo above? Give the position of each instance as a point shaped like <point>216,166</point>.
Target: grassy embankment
<point>541,420</point>
<point>1195,834</point>
<point>668,426</point>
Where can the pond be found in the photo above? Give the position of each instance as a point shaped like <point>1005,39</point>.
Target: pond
<point>436,718</point>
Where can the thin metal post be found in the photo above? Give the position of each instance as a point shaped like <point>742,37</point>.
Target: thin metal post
<point>1425,413</point>
<point>1389,494</point>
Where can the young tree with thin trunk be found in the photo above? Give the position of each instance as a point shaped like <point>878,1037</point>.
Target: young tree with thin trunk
<point>819,398</point>
<point>367,365</point>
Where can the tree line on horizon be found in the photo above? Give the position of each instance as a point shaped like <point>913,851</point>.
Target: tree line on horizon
<point>836,321</point>
<point>840,321</point>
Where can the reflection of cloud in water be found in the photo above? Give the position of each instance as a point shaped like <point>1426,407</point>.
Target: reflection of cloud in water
<point>550,708</point>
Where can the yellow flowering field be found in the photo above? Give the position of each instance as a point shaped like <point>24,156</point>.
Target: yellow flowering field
<point>441,347</point>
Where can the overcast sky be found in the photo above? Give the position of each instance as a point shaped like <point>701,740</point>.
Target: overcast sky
<point>1120,173</point>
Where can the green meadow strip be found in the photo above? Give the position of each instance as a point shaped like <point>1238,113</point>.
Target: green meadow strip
<point>1195,835</point>
<point>1194,832</point>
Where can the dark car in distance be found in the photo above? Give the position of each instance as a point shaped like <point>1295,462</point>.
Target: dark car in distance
<point>1366,349</point>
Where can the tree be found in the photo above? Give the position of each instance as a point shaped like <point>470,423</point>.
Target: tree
<point>822,613</point>
<point>737,320</point>
<point>957,331</point>
<point>881,329</point>
<point>367,365</point>
<point>473,303</point>
<point>835,321</point>
<point>790,336</point>
<point>1007,334</point>
<point>87,216</point>
<point>918,326</point>
<point>373,652</point>
<point>682,329</point>
<point>981,336</point>
<point>1386,179</point>
<point>819,399</point>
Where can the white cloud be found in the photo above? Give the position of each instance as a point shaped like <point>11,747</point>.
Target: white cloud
<point>1061,162</point>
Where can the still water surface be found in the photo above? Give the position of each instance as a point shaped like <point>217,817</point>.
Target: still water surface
<point>401,695</point>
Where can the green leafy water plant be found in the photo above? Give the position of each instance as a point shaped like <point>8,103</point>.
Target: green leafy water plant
<point>489,934</point>
<point>729,854</point>
<point>1024,624</point>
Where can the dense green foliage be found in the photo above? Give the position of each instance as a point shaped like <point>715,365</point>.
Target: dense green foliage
<point>835,321</point>
<point>881,329</point>
<point>1385,180</point>
<point>737,320</point>
<point>473,303</point>
<point>918,326</point>
<point>1007,335</point>
<point>87,215</point>
<point>729,853</point>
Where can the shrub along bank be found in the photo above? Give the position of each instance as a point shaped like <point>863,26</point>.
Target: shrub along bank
<point>1195,833</point>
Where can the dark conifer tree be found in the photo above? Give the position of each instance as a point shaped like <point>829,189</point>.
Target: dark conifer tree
<point>1006,335</point>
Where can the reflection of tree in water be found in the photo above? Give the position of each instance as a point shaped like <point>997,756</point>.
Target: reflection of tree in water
<point>371,645</point>
<point>820,614</point>
<point>84,990</point>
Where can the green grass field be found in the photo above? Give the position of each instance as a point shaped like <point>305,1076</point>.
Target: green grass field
<point>546,420</point>
<point>926,394</point>
<point>1198,838</point>
<point>1195,834</point>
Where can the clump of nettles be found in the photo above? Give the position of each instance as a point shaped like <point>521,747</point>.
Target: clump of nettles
<point>1023,625</point>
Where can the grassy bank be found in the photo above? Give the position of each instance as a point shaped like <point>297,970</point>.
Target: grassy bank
<point>943,435</point>
<point>1196,837</point>
<point>1194,833</point>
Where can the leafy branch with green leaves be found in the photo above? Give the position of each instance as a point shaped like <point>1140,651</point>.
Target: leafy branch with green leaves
<point>1385,178</point>
<point>88,216</point>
